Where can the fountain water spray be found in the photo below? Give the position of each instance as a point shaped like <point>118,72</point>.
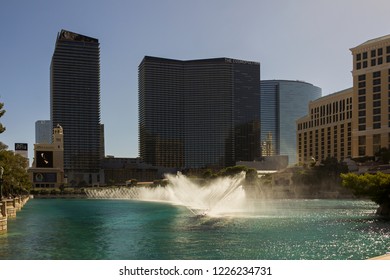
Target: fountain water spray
<point>220,196</point>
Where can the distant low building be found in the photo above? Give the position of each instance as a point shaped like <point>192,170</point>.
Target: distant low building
<point>117,171</point>
<point>268,163</point>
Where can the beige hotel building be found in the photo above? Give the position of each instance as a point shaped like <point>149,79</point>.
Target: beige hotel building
<point>354,122</point>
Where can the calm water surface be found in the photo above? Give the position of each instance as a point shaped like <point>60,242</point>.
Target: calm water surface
<point>122,229</point>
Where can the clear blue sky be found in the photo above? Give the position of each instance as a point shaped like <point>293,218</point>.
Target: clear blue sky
<point>296,40</point>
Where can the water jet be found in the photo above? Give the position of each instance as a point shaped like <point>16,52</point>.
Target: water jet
<point>218,197</point>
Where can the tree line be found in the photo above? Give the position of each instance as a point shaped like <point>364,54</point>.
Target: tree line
<point>15,179</point>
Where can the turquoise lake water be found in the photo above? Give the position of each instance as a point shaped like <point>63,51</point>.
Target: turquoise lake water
<point>80,229</point>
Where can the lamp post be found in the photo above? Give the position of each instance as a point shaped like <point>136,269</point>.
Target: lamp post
<point>1,181</point>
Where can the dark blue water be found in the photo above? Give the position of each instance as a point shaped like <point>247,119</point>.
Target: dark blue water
<point>118,229</point>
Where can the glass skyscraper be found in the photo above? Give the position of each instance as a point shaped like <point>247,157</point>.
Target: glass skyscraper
<point>75,103</point>
<point>282,103</point>
<point>43,132</point>
<point>199,113</point>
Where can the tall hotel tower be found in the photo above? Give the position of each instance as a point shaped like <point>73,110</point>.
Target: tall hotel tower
<point>199,113</point>
<point>371,97</point>
<point>75,104</point>
<point>354,122</point>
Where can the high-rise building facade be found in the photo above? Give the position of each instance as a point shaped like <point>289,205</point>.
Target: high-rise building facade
<point>282,102</point>
<point>371,92</point>
<point>43,131</point>
<point>198,113</point>
<point>355,122</point>
<point>327,130</point>
<point>75,104</point>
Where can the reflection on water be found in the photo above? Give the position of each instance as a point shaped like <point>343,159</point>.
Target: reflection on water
<point>124,229</point>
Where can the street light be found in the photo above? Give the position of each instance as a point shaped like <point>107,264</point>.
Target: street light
<point>1,181</point>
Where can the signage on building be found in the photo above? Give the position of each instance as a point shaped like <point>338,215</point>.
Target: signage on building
<point>21,147</point>
<point>45,177</point>
<point>44,159</point>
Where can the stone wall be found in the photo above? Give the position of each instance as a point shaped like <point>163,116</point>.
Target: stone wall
<point>8,209</point>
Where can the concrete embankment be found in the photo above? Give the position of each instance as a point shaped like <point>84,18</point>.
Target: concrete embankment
<point>9,208</point>
<point>383,257</point>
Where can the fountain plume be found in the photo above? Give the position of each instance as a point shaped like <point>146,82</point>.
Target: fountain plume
<point>220,196</point>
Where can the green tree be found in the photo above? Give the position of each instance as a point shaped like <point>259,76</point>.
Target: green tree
<point>2,128</point>
<point>133,183</point>
<point>251,176</point>
<point>327,173</point>
<point>232,170</point>
<point>383,155</point>
<point>2,112</point>
<point>374,186</point>
<point>15,177</point>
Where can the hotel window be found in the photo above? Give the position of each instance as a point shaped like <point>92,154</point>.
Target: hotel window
<point>377,82</point>
<point>376,111</point>
<point>380,60</point>
<point>376,143</point>
<point>376,74</point>
<point>365,64</point>
<point>362,151</point>
<point>361,77</point>
<point>359,56</point>
<point>365,55</point>
<point>388,137</point>
<point>388,58</point>
<point>377,125</point>
<point>377,89</point>
<point>388,49</point>
<point>373,53</point>
<point>373,62</point>
<point>377,103</point>
<point>362,145</point>
<point>380,51</point>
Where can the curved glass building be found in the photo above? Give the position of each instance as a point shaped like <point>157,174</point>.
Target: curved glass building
<point>282,103</point>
